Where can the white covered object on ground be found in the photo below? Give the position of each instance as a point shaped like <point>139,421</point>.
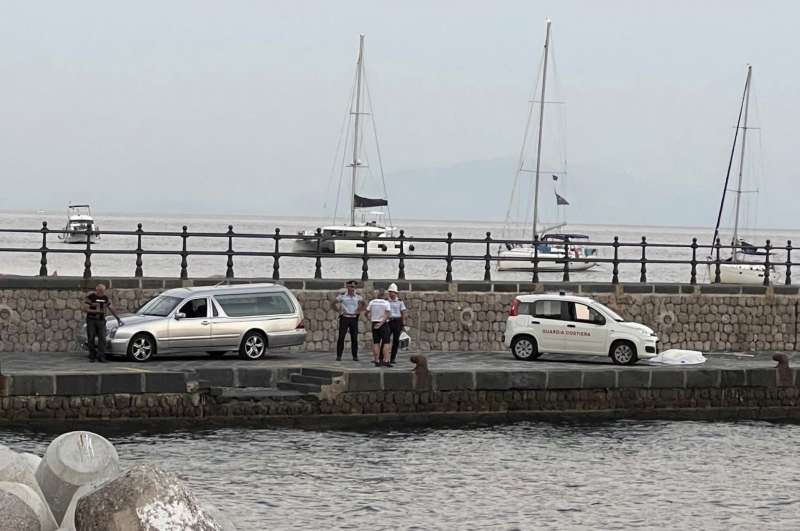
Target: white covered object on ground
<point>676,356</point>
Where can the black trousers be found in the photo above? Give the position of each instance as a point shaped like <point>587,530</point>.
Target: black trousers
<point>96,331</point>
<point>347,324</point>
<point>395,329</point>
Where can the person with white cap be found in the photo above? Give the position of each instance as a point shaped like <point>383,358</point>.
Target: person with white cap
<point>378,313</point>
<point>397,314</point>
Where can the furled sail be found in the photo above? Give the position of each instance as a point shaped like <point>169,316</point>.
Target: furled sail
<point>368,202</point>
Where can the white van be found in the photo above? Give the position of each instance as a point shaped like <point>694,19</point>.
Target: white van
<point>560,323</point>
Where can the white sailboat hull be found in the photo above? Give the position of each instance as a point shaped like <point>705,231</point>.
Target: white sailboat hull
<point>741,273</point>
<point>521,259</point>
<point>331,245</point>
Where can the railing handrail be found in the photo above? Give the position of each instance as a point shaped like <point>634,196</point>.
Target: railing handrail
<point>701,253</point>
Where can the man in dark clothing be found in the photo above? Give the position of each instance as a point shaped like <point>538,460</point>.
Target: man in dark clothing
<point>95,306</point>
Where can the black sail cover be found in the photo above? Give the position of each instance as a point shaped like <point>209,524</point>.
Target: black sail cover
<point>368,202</point>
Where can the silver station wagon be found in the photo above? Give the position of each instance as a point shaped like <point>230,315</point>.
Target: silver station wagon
<point>247,318</point>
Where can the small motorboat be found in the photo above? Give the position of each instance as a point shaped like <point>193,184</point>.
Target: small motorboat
<point>80,225</point>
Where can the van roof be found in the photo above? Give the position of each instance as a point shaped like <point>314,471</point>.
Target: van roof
<point>224,290</point>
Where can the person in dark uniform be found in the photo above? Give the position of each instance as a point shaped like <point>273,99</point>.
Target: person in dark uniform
<point>397,315</point>
<point>350,306</point>
<point>95,305</point>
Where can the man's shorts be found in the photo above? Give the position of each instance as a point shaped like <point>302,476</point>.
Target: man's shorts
<point>381,334</point>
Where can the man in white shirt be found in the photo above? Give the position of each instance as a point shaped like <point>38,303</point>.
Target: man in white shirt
<point>350,306</point>
<point>397,314</point>
<point>378,313</point>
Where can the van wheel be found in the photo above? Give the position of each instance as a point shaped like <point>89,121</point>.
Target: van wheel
<point>525,348</point>
<point>254,345</point>
<point>216,354</point>
<point>141,347</point>
<point>623,353</point>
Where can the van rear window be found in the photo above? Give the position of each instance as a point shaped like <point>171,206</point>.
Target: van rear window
<point>242,305</point>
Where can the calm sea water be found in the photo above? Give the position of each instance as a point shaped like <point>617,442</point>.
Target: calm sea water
<point>71,263</point>
<point>621,475</point>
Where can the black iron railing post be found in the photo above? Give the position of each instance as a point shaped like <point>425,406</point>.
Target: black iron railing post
<point>43,250</point>
<point>615,262</point>
<point>365,257</point>
<point>693,279</point>
<point>643,271</point>
<point>565,276</point>
<point>788,280</point>
<point>449,258</point>
<point>184,254</point>
<point>138,272</point>
<point>487,266</point>
<point>229,264</point>
<point>401,263</point>
<point>717,265</point>
<point>276,267</point>
<point>535,278</point>
<point>87,263</point>
<point>318,260</point>
<point>767,265</point>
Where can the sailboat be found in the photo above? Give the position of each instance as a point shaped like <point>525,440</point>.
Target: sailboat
<point>368,215</point>
<point>745,265</point>
<point>553,248</point>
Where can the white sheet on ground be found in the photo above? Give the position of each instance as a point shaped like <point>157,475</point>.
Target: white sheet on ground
<point>678,357</point>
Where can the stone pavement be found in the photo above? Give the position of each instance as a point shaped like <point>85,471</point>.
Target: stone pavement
<point>76,362</point>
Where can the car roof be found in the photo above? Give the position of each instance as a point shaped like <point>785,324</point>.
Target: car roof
<point>199,291</point>
<point>554,296</point>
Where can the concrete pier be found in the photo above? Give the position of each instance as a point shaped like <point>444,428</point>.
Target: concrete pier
<point>315,389</point>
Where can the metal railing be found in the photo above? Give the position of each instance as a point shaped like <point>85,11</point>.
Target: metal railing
<point>619,253</point>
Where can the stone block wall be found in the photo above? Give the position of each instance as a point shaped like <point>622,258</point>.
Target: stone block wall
<point>49,319</point>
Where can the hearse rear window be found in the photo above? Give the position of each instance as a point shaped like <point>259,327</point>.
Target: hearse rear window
<point>246,304</point>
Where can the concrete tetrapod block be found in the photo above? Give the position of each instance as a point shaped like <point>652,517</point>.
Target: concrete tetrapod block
<point>33,461</point>
<point>143,498</point>
<point>68,521</point>
<point>22,509</point>
<point>74,459</point>
<point>15,468</point>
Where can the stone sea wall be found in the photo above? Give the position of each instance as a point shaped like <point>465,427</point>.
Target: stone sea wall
<point>45,316</point>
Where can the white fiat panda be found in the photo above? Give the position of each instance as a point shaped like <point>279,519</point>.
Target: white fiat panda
<point>560,323</point>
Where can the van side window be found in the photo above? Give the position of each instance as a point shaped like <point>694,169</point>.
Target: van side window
<point>247,304</point>
<point>548,309</point>
<point>195,308</point>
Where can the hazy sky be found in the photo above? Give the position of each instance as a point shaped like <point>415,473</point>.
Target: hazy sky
<point>235,107</point>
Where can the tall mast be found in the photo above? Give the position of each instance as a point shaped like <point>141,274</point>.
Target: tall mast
<point>541,124</point>
<point>359,69</point>
<point>735,240</point>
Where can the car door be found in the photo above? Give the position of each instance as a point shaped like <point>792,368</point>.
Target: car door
<point>548,321</point>
<point>586,331</point>
<point>192,330</point>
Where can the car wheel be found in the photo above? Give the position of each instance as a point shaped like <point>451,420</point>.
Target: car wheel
<point>141,347</point>
<point>216,354</point>
<point>254,345</point>
<point>623,353</point>
<point>525,348</point>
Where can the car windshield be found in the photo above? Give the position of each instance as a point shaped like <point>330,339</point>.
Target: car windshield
<point>614,315</point>
<point>160,306</point>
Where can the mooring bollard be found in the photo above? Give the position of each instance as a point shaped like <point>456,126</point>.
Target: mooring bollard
<point>22,508</point>
<point>74,459</point>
